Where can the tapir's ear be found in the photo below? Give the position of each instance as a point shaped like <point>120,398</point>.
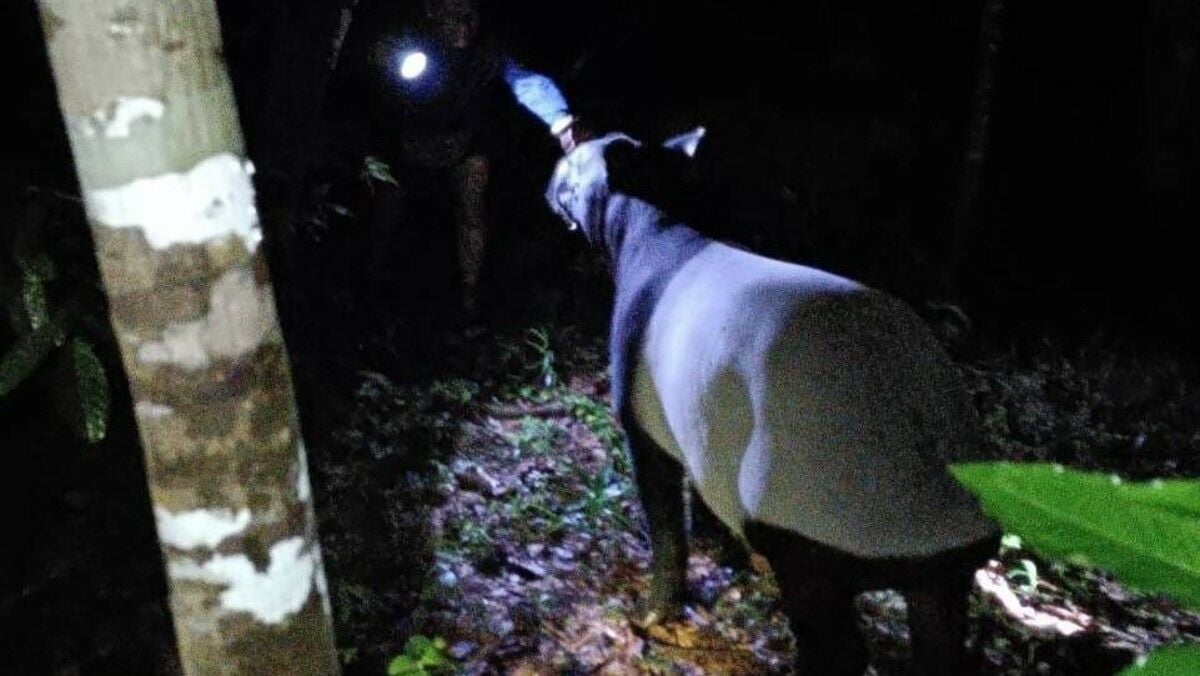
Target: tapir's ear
<point>686,143</point>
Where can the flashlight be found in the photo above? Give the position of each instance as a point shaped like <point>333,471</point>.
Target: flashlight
<point>412,64</point>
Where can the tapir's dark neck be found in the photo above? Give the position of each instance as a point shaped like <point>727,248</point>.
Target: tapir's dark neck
<point>644,243</point>
<point>647,249</point>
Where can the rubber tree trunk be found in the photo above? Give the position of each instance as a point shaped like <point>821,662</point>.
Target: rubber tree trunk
<point>303,48</point>
<point>1172,83</point>
<point>966,211</point>
<point>168,193</point>
<point>286,61</point>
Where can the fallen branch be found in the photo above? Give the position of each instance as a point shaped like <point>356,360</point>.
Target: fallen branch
<point>550,410</point>
<point>1051,620</point>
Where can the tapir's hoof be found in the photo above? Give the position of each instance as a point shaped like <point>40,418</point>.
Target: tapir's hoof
<point>679,635</point>
<point>689,633</point>
<point>650,613</point>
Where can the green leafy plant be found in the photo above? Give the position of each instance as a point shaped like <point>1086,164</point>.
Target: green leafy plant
<point>535,436</point>
<point>23,293</point>
<point>422,656</point>
<point>473,536</point>
<point>538,510</point>
<point>600,421</point>
<point>1147,534</point>
<point>1025,574</point>
<point>454,390</point>
<point>46,336</point>
<point>375,171</point>
<point>602,493</point>
<point>1167,661</point>
<point>538,338</point>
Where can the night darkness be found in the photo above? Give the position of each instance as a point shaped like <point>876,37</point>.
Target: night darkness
<point>837,134</point>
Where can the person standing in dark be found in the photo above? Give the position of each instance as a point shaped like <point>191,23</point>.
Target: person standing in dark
<point>424,90</point>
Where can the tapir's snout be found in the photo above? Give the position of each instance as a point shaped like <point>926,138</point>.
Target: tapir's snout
<point>579,180</point>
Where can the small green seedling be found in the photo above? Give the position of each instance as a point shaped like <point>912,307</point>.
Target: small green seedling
<point>423,656</point>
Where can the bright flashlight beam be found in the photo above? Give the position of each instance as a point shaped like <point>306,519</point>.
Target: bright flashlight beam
<point>412,65</point>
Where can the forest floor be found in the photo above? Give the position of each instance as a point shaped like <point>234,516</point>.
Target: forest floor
<point>490,514</point>
<point>477,517</point>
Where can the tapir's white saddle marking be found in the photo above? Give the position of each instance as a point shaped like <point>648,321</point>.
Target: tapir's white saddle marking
<point>809,402</point>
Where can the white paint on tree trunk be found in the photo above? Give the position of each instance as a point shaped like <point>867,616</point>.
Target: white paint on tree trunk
<point>150,410</point>
<point>212,200</point>
<point>303,488</point>
<point>115,120</point>
<point>125,27</point>
<point>320,581</point>
<point>241,317</point>
<point>270,595</point>
<point>199,527</point>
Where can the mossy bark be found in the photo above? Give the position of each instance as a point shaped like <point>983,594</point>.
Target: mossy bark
<point>154,131</point>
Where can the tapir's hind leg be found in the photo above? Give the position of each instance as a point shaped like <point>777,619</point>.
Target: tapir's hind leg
<point>660,486</point>
<point>937,620</point>
<point>817,589</point>
<point>938,591</point>
<point>823,619</point>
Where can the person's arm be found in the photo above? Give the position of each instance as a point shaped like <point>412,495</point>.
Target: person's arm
<point>539,94</point>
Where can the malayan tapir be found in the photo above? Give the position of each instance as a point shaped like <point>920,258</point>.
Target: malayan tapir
<point>813,415</point>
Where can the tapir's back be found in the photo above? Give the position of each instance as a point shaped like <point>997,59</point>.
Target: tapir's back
<point>807,401</point>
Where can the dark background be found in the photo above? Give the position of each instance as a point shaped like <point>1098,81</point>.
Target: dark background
<point>860,110</point>
<point>837,134</point>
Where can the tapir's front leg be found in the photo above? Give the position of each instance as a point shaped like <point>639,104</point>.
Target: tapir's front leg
<point>660,485</point>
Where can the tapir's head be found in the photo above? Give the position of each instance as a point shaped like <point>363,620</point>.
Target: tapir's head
<point>587,178</point>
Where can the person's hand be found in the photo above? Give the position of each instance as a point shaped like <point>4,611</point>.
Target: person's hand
<point>572,134</point>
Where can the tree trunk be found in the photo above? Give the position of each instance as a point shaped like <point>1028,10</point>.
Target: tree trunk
<point>159,152</point>
<point>303,47</point>
<point>285,88</point>
<point>1169,138</point>
<point>966,211</point>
